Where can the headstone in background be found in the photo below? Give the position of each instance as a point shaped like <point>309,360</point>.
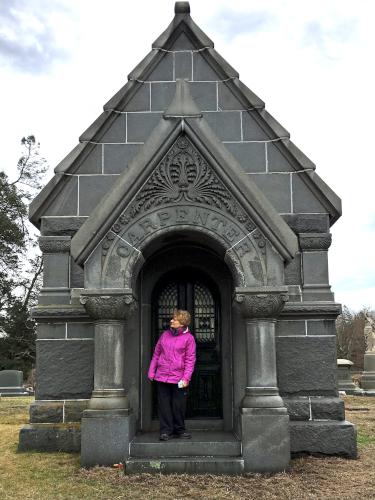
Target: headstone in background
<point>368,376</point>
<point>11,383</point>
<point>344,375</point>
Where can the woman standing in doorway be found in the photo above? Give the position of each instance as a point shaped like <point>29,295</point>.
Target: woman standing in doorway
<point>171,367</point>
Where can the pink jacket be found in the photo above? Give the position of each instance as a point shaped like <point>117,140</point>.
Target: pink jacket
<point>174,357</point>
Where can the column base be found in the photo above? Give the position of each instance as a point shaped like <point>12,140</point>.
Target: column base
<point>262,397</point>
<point>108,399</point>
<point>105,436</point>
<point>265,439</point>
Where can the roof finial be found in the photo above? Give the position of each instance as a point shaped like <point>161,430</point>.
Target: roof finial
<point>182,8</point>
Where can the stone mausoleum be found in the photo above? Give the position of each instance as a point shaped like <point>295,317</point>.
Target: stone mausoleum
<point>186,192</point>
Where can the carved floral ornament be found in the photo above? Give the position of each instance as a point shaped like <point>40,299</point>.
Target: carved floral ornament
<point>105,304</point>
<point>183,177</point>
<point>54,244</point>
<point>260,305</point>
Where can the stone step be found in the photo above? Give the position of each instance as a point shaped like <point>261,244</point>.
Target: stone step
<point>202,443</point>
<point>188,465</point>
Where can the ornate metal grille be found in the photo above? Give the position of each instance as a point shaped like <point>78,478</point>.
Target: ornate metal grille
<point>204,314</point>
<point>167,302</point>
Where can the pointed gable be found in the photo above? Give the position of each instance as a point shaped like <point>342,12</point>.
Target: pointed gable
<point>234,113</point>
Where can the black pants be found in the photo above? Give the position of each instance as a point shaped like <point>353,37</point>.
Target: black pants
<point>171,408</point>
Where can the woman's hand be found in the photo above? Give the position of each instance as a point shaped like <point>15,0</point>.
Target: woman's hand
<point>150,379</point>
<point>185,383</point>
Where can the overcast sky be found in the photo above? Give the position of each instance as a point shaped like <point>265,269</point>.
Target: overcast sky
<point>312,62</point>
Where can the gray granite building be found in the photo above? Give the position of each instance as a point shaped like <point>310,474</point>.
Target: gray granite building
<point>186,192</point>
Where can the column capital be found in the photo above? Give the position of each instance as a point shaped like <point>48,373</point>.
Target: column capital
<point>54,244</point>
<point>314,241</point>
<point>261,302</point>
<point>109,303</point>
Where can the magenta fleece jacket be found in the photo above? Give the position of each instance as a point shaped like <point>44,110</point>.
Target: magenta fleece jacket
<point>174,357</point>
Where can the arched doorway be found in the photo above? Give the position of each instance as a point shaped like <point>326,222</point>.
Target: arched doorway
<point>190,276</point>
<point>190,289</point>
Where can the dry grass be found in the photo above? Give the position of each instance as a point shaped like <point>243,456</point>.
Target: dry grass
<point>58,476</point>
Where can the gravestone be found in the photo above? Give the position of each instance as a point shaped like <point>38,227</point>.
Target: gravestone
<point>11,383</point>
<point>368,376</point>
<point>344,376</point>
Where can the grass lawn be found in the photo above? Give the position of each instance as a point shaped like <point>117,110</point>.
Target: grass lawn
<point>35,475</point>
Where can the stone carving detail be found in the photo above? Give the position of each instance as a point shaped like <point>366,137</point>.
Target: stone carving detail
<point>183,176</point>
<point>54,244</point>
<point>315,241</point>
<point>369,333</point>
<point>261,305</point>
<point>109,305</point>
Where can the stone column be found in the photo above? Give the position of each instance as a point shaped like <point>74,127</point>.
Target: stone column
<point>264,418</point>
<point>108,423</point>
<point>56,279</point>
<point>315,278</point>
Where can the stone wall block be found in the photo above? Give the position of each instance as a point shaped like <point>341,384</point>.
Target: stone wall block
<point>308,223</point>
<point>66,202</point>
<point>65,369</point>
<point>290,328</point>
<point>321,327</point>
<point>164,69</point>
<point>204,95</point>
<point>276,187</point>
<point>251,130</point>
<point>43,412</point>
<point>78,330</point>
<point>327,408</point>
<point>183,65</point>
<point>162,95</point>
<point>73,410</point>
<point>313,369</point>
<point>51,330</point>
<point>92,163</point>
<point>116,132</point>
<point>277,162</point>
<point>92,189</point>
<point>315,268</point>
<point>202,71</point>
<point>298,408</point>
<point>140,125</point>
<point>226,125</point>
<point>305,200</point>
<point>50,437</point>
<point>292,271</point>
<point>141,100</point>
<point>118,156</point>
<point>250,155</point>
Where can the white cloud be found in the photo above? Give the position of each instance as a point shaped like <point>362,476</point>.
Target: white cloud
<point>311,62</point>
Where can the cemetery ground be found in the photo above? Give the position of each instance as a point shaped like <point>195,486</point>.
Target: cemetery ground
<point>33,475</point>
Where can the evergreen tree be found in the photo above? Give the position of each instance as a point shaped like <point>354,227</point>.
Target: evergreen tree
<point>20,262</point>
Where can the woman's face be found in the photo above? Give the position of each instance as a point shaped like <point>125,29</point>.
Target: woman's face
<point>175,323</point>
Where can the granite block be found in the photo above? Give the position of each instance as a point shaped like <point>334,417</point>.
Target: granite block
<point>164,69</point>
<point>92,189</point>
<point>298,408</point>
<point>251,129</point>
<point>76,275</point>
<point>61,226</point>
<point>329,438</point>
<point>315,268</point>
<point>204,95</point>
<point>56,270</point>
<point>80,330</point>
<point>303,198</point>
<point>50,437</point>
<point>92,162</point>
<point>183,65</point>
<point>276,187</point>
<point>183,42</point>
<point>327,408</point>
<point>308,223</point>
<point>202,71</point>
<point>43,412</point>
<point>251,156</point>
<point>116,131</point>
<point>290,328</point>
<point>51,330</point>
<point>73,410</point>
<point>140,125</point>
<point>227,100</point>
<point>321,327</point>
<point>118,156</point>
<point>277,162</point>
<point>141,99</point>
<point>226,125</point>
<point>66,202</point>
<point>313,370</point>
<point>162,95</point>
<point>292,271</point>
<point>65,369</point>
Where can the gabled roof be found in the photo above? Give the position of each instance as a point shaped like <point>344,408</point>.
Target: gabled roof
<point>183,26</point>
<point>183,116</point>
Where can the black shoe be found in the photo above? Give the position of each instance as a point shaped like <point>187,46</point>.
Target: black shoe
<point>164,437</point>
<point>183,435</point>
